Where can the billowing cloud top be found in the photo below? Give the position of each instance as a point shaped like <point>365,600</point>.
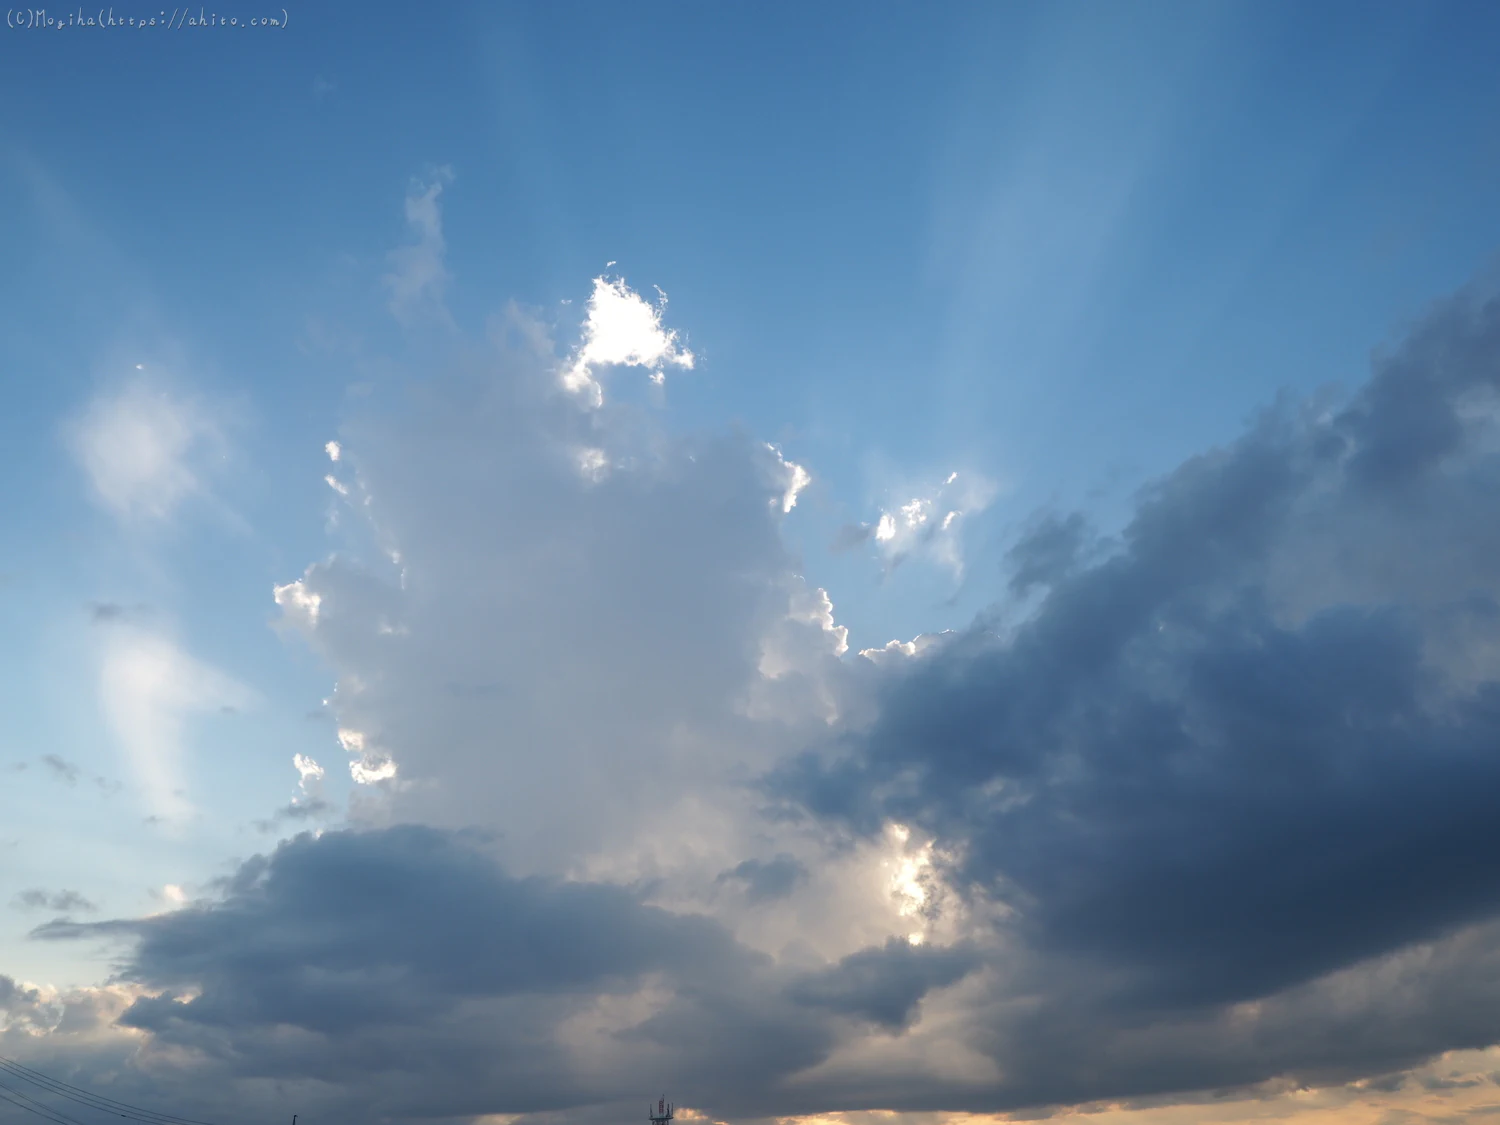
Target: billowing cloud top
<point>622,329</point>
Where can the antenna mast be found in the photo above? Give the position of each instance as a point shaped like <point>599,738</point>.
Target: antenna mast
<point>662,1114</point>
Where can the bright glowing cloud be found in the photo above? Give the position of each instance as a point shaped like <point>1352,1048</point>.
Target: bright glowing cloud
<point>370,768</point>
<point>622,329</point>
<point>797,478</point>
<point>914,526</point>
<point>298,602</point>
<point>309,774</point>
<point>369,764</point>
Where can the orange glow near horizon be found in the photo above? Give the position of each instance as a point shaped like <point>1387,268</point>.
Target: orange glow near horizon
<point>1457,1087</point>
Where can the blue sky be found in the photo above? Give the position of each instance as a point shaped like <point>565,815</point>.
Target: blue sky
<point>1005,261</point>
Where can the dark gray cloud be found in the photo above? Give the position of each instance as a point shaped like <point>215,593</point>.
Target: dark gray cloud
<point>1047,551</point>
<point>294,812</point>
<point>1437,1082</point>
<point>765,880</point>
<point>350,930</point>
<point>62,901</point>
<point>13,995</point>
<point>1256,744</point>
<point>885,985</point>
<point>414,975</point>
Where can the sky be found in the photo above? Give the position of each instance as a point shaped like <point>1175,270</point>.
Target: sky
<point>844,564</point>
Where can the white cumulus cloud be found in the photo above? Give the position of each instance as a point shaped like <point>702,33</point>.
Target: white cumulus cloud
<point>583,618</point>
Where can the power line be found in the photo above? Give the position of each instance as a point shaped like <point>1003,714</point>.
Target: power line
<point>88,1098</point>
<point>40,1109</point>
<point>4,1100</point>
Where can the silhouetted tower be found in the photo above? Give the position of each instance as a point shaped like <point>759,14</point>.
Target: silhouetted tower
<point>663,1112</point>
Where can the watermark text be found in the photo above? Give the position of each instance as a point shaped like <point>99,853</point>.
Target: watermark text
<point>178,19</point>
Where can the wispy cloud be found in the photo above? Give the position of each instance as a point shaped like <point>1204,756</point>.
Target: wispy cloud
<point>145,449</point>
<point>62,901</point>
<point>924,522</point>
<point>61,769</point>
<point>417,280</point>
<point>149,688</point>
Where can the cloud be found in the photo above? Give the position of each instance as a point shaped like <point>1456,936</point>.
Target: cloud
<point>593,666</point>
<point>148,689</point>
<point>616,620</point>
<point>418,277</point>
<point>308,804</point>
<point>1235,764</point>
<point>885,985</point>
<point>1211,818</point>
<point>62,901</point>
<point>315,965</point>
<point>61,769</point>
<point>500,994</point>
<point>309,775</point>
<point>929,524</point>
<point>767,879</point>
<point>68,1022</point>
<point>386,876</point>
<point>295,812</point>
<point>622,329</point>
<point>145,450</point>
<point>851,535</point>
<point>371,764</point>
<point>1047,552</point>
<point>797,478</point>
